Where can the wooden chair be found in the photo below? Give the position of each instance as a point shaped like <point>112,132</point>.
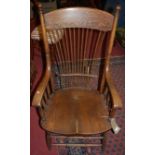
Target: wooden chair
<point>69,101</point>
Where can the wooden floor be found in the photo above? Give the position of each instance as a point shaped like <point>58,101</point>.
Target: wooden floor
<point>74,111</point>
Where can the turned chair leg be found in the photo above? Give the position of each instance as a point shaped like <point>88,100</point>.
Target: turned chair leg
<point>103,141</point>
<point>48,140</point>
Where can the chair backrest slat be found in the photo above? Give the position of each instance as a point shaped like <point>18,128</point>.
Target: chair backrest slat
<point>75,54</point>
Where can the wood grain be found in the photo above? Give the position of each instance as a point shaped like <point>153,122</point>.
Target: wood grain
<point>79,17</point>
<point>77,111</point>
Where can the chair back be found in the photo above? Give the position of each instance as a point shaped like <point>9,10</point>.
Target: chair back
<point>75,39</point>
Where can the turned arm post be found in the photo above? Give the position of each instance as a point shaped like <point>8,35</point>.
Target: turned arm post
<point>46,44</point>
<point>39,93</point>
<point>109,48</point>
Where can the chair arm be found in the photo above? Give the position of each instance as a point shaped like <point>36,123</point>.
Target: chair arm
<point>36,101</point>
<point>116,100</point>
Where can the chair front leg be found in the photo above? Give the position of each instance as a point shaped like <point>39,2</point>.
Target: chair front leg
<point>109,98</point>
<point>48,140</point>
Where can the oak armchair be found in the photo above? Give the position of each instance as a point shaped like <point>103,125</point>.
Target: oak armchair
<point>68,101</point>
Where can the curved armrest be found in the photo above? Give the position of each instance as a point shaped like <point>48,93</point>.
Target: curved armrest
<point>117,102</point>
<point>40,90</point>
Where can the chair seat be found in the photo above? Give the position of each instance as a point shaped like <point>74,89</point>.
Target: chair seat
<point>76,111</point>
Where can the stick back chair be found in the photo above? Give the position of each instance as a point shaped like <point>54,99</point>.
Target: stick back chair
<point>69,101</point>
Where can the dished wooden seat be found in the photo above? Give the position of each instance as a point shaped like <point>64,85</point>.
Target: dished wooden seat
<point>76,111</point>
